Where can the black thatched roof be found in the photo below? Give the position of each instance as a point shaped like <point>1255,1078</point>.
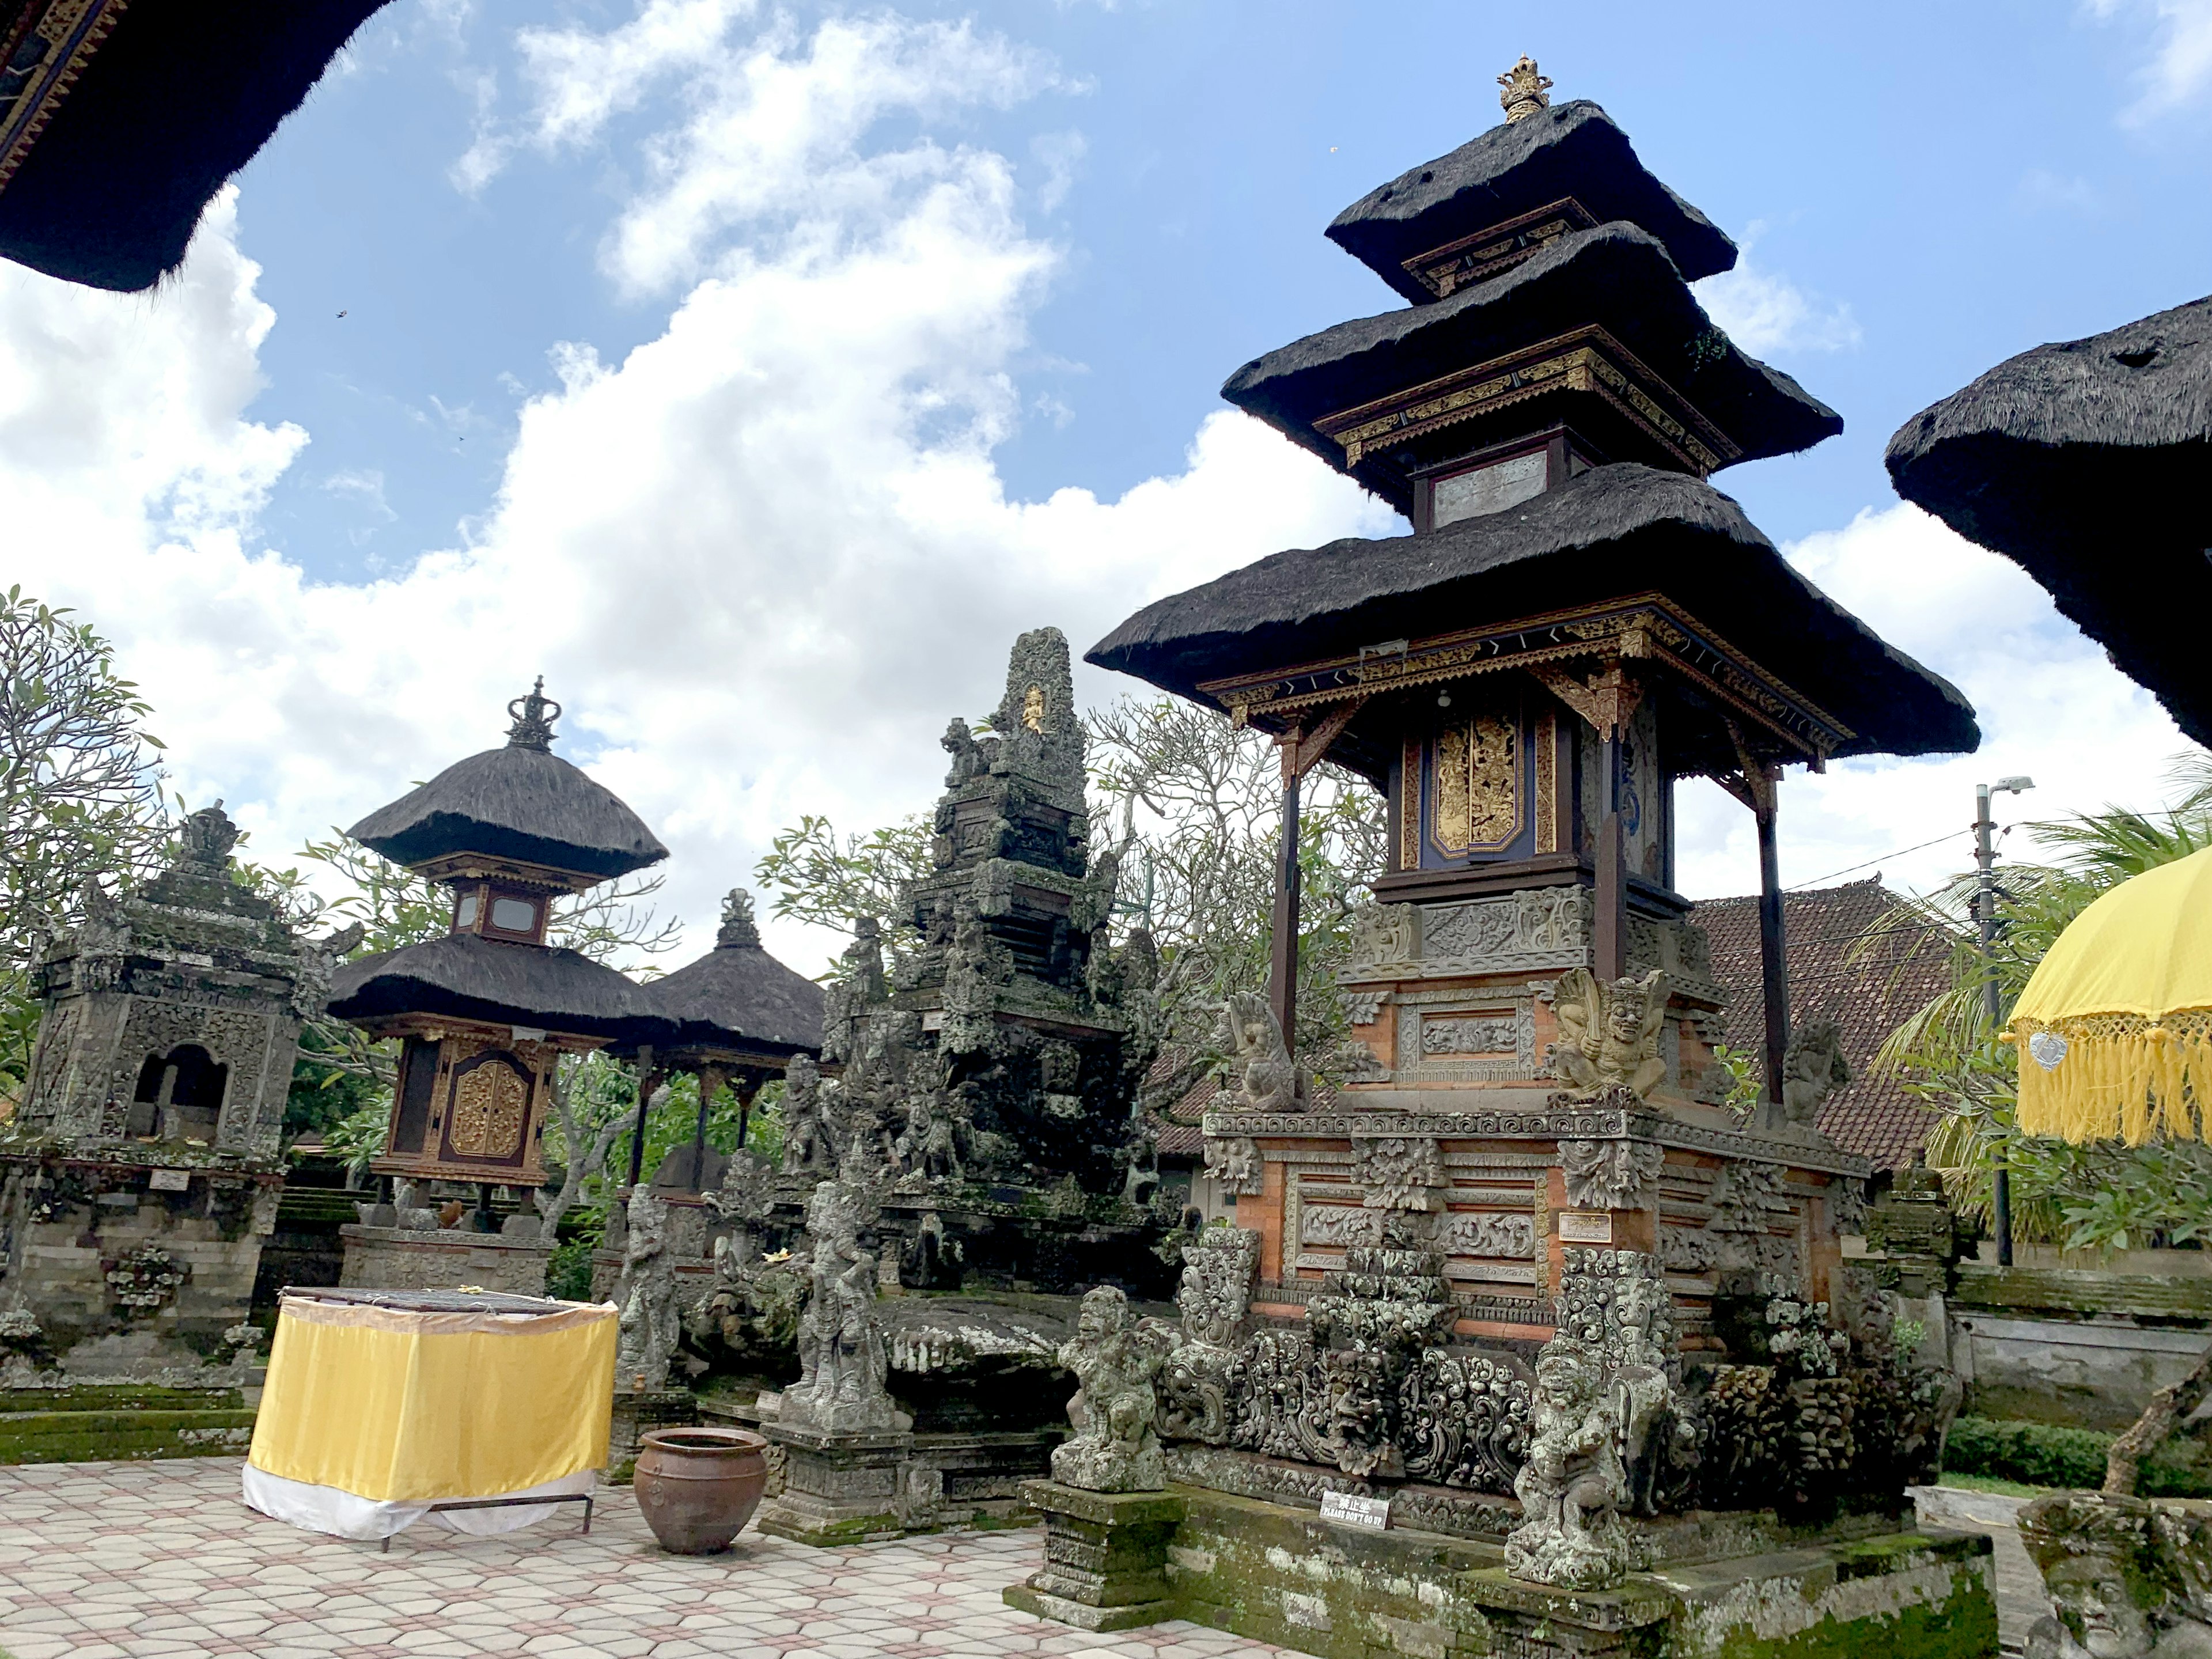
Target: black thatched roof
<point>179,96</point>
<point>1568,149</point>
<point>520,802</point>
<point>465,977</point>
<point>1616,277</point>
<point>1615,531</point>
<point>2089,465</point>
<point>738,996</point>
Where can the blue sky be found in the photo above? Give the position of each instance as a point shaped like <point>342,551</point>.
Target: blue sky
<point>1944,185</point>
<point>757,372</point>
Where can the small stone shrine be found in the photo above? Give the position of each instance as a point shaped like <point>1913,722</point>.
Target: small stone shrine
<point>1570,1337</point>
<point>141,1173</point>
<point>484,1013</point>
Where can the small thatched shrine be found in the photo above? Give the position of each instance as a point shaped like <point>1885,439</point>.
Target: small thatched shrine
<point>484,1013</point>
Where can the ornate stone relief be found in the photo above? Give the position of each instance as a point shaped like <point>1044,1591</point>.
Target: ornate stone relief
<point>1396,1172</point>
<point>1464,1037</point>
<point>1609,1175</point>
<point>1233,1162</point>
<point>1338,1224</point>
<point>1509,1235</point>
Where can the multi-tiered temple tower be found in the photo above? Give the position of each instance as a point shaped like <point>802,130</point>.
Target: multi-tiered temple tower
<point>1524,1280</point>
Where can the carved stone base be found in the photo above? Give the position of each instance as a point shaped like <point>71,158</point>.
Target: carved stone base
<point>849,1488</point>
<point>403,1259</point>
<point>1281,1573</point>
<point>1105,1557</point>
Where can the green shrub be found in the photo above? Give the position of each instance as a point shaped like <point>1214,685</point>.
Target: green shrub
<point>568,1275</point>
<point>2033,1453</point>
<point>2045,1455</point>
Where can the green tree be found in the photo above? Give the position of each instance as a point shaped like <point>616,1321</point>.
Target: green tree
<point>80,796</point>
<point>1949,1054</point>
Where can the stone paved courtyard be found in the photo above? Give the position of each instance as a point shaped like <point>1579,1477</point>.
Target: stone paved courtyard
<point>100,1559</point>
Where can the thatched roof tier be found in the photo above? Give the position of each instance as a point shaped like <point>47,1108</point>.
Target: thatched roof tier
<point>120,122</point>
<point>464,976</point>
<point>1615,531</point>
<point>1481,359</point>
<point>2085,463</point>
<point>519,803</point>
<point>1436,226</point>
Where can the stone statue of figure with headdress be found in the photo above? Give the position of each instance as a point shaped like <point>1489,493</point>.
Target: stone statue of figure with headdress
<point>1267,1079</point>
<point>1813,1068</point>
<point>1572,1482</point>
<point>1609,1032</point>
<point>843,1360</point>
<point>647,1326</point>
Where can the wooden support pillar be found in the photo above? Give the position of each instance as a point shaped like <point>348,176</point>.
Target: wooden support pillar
<point>1607,700</point>
<point>1756,784</point>
<point>710,1079</point>
<point>1773,948</point>
<point>1609,928</point>
<point>1283,925</point>
<point>645,1078</point>
<point>1301,750</point>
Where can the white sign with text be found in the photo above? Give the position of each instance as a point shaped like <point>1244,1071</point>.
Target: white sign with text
<point>1372,1513</point>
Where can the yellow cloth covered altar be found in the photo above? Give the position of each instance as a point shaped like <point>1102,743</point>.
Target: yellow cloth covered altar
<point>373,1411</point>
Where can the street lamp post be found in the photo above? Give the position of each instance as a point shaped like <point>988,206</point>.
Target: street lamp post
<point>1986,913</point>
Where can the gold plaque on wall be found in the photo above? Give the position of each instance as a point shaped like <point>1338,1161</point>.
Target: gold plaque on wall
<point>491,1104</point>
<point>1477,798</point>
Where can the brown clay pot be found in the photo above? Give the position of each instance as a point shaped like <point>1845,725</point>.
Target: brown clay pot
<point>698,1487</point>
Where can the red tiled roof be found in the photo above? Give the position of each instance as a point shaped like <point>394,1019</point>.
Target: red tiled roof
<point>1867,993</point>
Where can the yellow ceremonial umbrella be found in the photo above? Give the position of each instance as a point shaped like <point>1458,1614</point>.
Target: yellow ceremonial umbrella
<point>2115,1028</point>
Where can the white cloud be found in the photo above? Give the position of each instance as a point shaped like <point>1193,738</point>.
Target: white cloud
<point>762,558</point>
<point>764,555</point>
<point>2051,706</point>
<point>1763,311</point>
<point>2181,65</point>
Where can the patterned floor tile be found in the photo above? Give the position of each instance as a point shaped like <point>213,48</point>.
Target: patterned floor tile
<point>149,1560</point>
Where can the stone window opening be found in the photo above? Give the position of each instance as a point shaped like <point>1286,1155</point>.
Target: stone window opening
<point>179,1096</point>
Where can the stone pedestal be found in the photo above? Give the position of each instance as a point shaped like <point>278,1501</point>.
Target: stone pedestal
<point>843,1488</point>
<point>638,1412</point>
<point>1105,1557</point>
<point>1536,1621</point>
<point>403,1259</point>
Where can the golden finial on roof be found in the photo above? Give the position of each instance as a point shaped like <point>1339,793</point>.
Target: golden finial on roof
<point>1526,89</point>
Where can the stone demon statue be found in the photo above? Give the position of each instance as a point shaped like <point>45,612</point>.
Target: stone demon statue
<point>1116,1448</point>
<point>1572,1484</point>
<point>2127,1579</point>
<point>1609,1032</point>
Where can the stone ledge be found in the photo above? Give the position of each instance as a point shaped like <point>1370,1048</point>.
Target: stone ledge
<point>1062,1611</point>
<point>1110,1509</point>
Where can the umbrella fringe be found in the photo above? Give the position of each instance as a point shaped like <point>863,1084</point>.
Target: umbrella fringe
<point>2122,1078</point>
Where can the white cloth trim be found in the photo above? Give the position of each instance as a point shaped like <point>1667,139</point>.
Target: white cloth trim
<point>347,1514</point>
